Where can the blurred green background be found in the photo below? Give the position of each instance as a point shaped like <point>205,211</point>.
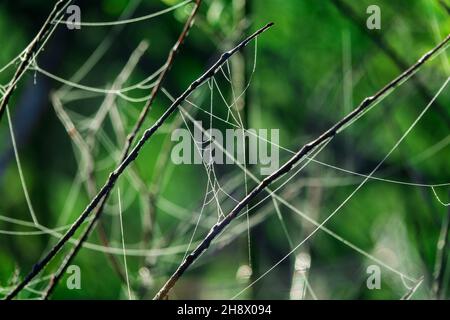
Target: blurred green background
<point>316,64</point>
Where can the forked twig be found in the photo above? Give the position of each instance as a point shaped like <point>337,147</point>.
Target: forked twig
<point>412,291</point>
<point>30,52</point>
<point>85,148</point>
<point>173,52</point>
<point>109,184</point>
<point>300,155</point>
<point>92,224</point>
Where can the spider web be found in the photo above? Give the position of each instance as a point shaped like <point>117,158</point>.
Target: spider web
<point>222,190</point>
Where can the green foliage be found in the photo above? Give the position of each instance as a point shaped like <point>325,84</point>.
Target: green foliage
<point>298,88</point>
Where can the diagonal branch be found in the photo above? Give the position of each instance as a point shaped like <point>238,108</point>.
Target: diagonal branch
<point>30,52</point>
<point>390,52</point>
<point>92,224</point>
<point>445,6</point>
<point>173,52</point>
<point>442,254</point>
<point>300,155</point>
<point>109,184</point>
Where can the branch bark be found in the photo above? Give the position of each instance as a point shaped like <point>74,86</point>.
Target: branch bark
<point>31,50</point>
<point>300,155</point>
<point>109,184</point>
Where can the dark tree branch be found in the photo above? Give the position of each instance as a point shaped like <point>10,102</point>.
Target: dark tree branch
<point>410,293</point>
<point>109,184</point>
<point>300,155</point>
<point>71,255</point>
<point>445,6</point>
<point>173,52</point>
<point>31,50</point>
<point>85,148</point>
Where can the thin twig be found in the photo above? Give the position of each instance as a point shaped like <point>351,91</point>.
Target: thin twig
<point>30,53</point>
<point>300,155</point>
<point>58,275</point>
<point>413,290</point>
<point>390,52</point>
<point>173,52</point>
<point>445,6</point>
<point>158,177</point>
<point>109,184</point>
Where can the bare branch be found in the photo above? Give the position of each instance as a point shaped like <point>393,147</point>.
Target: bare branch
<point>445,6</point>
<point>300,155</point>
<point>410,293</point>
<point>109,184</point>
<point>390,52</point>
<point>441,258</point>
<point>162,76</point>
<point>30,52</point>
<point>96,124</point>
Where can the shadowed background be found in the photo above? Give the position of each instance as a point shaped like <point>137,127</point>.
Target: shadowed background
<point>316,64</point>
